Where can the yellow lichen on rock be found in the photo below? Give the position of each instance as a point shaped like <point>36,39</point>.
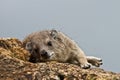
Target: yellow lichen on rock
<point>14,65</point>
<point>13,48</point>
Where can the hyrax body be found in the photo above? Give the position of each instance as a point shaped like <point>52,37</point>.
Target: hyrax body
<point>52,45</point>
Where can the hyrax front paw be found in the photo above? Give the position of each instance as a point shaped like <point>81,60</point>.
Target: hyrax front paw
<point>86,65</point>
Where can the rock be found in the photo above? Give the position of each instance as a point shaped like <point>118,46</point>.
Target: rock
<point>14,65</point>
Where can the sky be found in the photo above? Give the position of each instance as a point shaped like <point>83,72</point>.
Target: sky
<point>93,24</point>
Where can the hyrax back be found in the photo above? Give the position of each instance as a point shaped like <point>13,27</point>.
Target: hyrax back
<point>52,45</point>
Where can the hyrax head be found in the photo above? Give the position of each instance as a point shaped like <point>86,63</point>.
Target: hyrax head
<point>44,45</point>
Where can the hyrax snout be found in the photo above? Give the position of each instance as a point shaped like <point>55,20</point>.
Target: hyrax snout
<point>52,45</point>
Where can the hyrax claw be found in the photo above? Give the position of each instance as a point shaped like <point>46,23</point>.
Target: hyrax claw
<point>86,66</point>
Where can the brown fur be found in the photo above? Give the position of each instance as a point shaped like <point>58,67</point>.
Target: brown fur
<point>52,45</point>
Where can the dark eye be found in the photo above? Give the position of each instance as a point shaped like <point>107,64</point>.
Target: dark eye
<point>49,43</point>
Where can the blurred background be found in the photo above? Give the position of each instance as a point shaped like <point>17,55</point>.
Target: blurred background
<point>93,24</point>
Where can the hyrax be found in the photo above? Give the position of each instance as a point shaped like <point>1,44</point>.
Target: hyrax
<point>52,45</point>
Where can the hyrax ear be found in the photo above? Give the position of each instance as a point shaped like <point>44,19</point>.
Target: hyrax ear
<point>54,33</point>
<point>29,46</point>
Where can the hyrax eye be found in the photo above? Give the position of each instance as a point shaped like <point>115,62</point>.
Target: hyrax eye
<point>49,43</point>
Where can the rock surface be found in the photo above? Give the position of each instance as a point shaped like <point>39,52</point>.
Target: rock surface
<point>14,65</point>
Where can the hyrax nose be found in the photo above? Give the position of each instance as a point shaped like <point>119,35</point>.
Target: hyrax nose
<point>44,53</point>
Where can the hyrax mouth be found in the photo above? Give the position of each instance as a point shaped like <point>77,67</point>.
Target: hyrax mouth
<point>46,54</point>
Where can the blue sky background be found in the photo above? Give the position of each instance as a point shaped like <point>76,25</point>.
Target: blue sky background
<point>93,24</point>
